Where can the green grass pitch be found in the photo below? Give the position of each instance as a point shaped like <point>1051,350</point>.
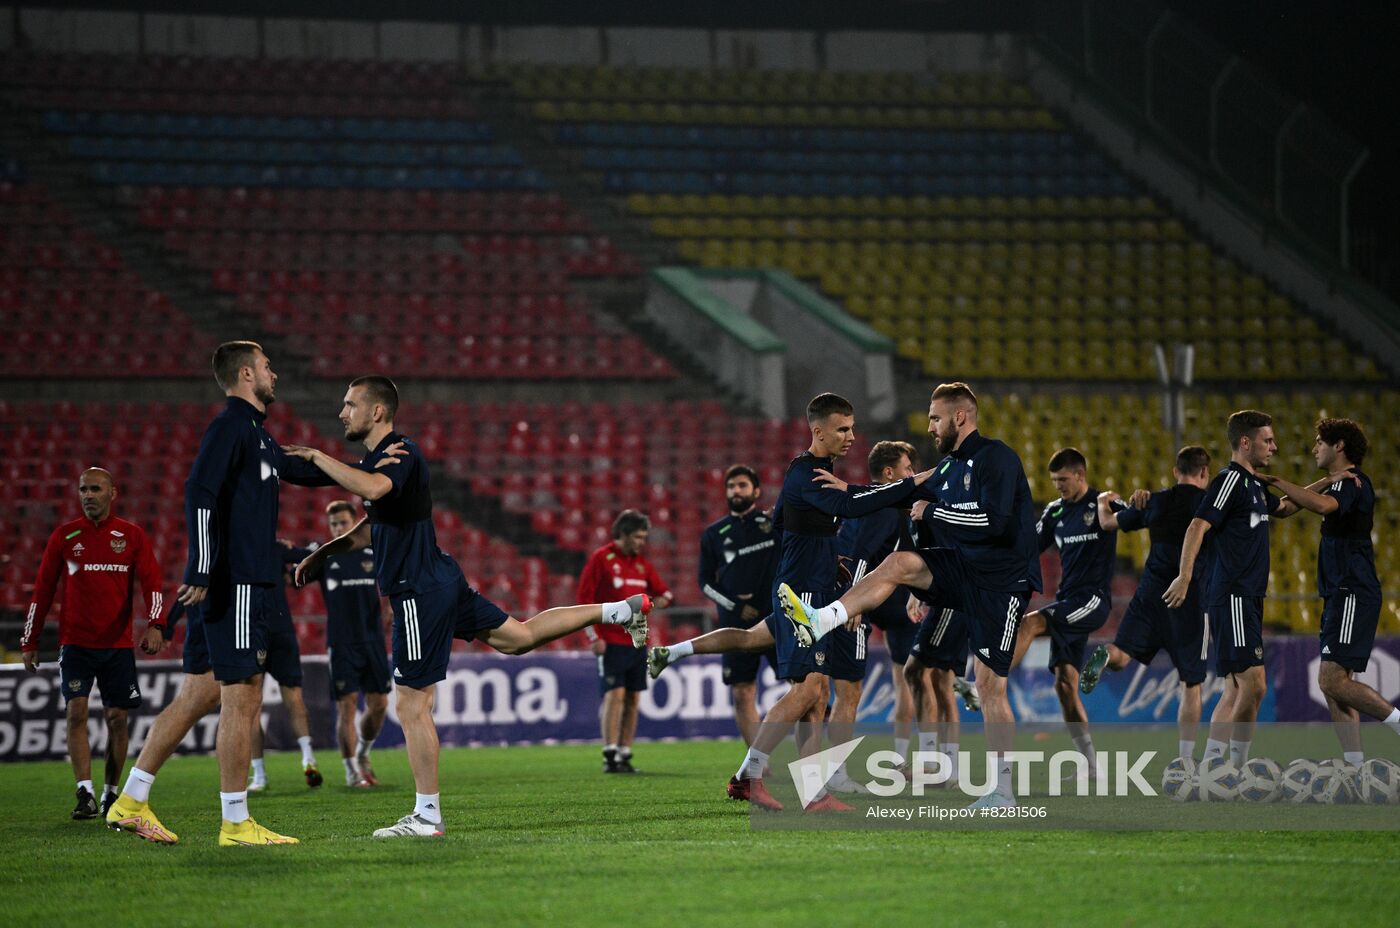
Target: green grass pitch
<point>538,836</point>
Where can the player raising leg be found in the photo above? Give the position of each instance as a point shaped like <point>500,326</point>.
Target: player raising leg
<point>431,600</point>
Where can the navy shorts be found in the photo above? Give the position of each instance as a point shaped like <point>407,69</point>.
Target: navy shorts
<point>892,618</point>
<point>1070,623</point>
<point>1149,626</point>
<point>283,652</point>
<point>233,646</point>
<point>1348,628</point>
<point>993,616</point>
<point>794,660</point>
<point>941,640</point>
<point>426,621</point>
<point>841,654</point>
<point>622,666</point>
<point>1237,625</point>
<point>742,666</point>
<point>114,669</point>
<point>362,667</point>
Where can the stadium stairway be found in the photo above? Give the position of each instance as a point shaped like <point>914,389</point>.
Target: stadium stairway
<point>623,299</point>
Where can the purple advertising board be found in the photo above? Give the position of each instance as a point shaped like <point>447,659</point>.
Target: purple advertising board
<point>552,697</point>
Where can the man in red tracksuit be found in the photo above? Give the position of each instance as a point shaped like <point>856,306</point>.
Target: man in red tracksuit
<point>103,556</point>
<point>617,569</point>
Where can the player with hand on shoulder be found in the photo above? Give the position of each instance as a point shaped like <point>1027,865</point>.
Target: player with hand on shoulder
<point>1149,625</point>
<point>1235,511</point>
<point>864,543</point>
<point>231,506</point>
<point>986,565</point>
<point>1346,578</point>
<point>809,510</point>
<point>431,599</point>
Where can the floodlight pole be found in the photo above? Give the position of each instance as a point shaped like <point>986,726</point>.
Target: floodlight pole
<point>1176,377</point>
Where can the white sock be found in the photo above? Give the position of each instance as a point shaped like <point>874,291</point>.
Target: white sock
<point>1214,748</point>
<point>754,763</point>
<point>109,789</point>
<point>829,618</point>
<point>138,784</point>
<point>1354,758</point>
<point>427,806</point>
<point>1239,753</point>
<point>928,742</point>
<point>610,749</point>
<point>624,752</point>
<point>951,749</point>
<point>85,784</point>
<point>235,806</point>
<point>1186,749</point>
<point>901,747</point>
<point>1004,779</point>
<point>1393,720</point>
<point>259,770</point>
<point>308,756</point>
<point>1085,744</point>
<point>362,751</point>
<point>352,772</point>
<point>840,776</point>
<point>680,651</point>
<point>616,613</point>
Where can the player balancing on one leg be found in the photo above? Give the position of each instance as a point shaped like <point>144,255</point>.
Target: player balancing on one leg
<point>938,654</point>
<point>1346,578</point>
<point>105,556</point>
<point>354,643</point>
<point>1082,602</point>
<point>1235,509</point>
<point>231,504</point>
<point>983,510</point>
<point>431,600</point>
<point>1148,625</point>
<point>809,514</point>
<point>738,560</point>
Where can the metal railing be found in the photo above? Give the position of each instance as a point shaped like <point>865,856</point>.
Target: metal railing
<point>1283,157</point>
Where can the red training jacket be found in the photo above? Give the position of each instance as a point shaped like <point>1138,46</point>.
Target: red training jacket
<point>610,575</point>
<point>100,559</point>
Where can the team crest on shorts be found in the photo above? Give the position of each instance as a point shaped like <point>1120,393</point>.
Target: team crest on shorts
<point>1259,652</point>
<point>262,658</point>
<point>821,658</point>
<point>75,685</point>
<point>340,684</point>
